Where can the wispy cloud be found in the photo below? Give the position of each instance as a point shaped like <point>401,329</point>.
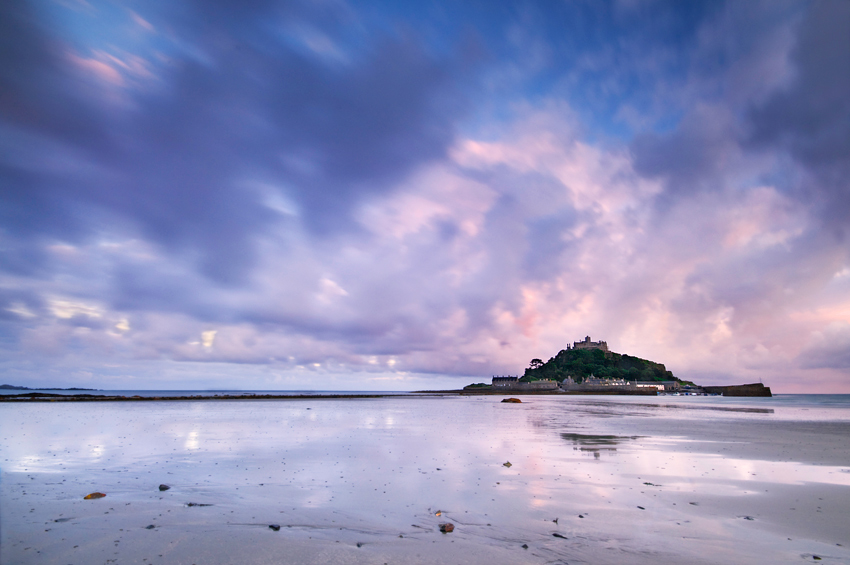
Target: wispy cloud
<point>376,194</point>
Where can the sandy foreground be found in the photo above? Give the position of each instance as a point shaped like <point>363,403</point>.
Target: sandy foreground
<point>591,480</point>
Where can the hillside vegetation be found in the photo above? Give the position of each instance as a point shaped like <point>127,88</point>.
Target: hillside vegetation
<point>581,363</point>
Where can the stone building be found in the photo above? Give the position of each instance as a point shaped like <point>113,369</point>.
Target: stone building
<point>597,381</point>
<point>542,384</point>
<point>587,344</point>
<point>513,384</point>
<point>505,382</point>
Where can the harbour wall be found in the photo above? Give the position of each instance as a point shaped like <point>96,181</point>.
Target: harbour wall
<point>755,389</point>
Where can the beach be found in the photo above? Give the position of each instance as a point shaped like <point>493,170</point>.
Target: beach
<point>552,479</point>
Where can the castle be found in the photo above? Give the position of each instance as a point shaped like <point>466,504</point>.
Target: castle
<point>587,344</point>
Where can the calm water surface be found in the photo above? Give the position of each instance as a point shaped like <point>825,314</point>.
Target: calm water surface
<point>628,479</point>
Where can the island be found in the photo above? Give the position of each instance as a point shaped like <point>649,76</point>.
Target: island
<point>589,367</point>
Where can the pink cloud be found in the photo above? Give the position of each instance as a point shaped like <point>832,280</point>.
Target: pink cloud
<point>99,69</point>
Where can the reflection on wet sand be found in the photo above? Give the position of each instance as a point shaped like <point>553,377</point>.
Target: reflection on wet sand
<point>630,406</point>
<point>715,408</point>
<point>592,443</point>
<point>361,481</point>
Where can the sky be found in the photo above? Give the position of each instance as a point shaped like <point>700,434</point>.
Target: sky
<point>347,195</point>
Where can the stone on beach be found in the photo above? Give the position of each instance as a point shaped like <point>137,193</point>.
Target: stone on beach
<point>512,400</point>
<point>275,527</point>
<point>447,527</point>
<point>507,464</point>
<point>94,495</point>
<point>164,487</point>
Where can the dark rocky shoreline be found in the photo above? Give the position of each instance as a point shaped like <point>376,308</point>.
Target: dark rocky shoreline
<point>51,397</point>
<point>748,390</point>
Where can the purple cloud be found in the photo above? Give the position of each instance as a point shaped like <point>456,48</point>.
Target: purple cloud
<point>294,192</point>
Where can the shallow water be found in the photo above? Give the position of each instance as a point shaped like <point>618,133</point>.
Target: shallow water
<point>629,480</point>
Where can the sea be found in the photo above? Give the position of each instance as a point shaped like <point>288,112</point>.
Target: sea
<point>175,393</point>
<point>552,479</point>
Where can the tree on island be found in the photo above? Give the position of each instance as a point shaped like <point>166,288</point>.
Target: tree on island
<point>581,363</point>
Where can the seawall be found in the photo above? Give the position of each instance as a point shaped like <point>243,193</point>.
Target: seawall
<point>755,389</point>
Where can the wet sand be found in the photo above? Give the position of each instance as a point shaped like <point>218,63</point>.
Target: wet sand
<point>635,480</point>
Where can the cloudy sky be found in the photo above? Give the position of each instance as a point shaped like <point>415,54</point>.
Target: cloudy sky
<point>336,194</point>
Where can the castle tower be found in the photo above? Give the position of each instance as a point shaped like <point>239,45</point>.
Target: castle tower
<point>587,344</point>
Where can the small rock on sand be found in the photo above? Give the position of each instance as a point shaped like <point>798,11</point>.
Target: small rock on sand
<point>275,527</point>
<point>164,487</point>
<point>446,528</point>
<point>507,464</point>
<point>94,495</point>
<point>512,400</point>
<point>150,527</point>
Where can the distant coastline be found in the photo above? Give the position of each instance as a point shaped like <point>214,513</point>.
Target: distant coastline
<point>49,397</point>
<point>15,387</point>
